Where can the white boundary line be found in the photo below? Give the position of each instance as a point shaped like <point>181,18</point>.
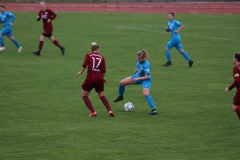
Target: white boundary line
<point>143,29</point>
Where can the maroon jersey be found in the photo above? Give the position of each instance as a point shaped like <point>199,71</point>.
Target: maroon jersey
<point>96,65</point>
<point>45,15</point>
<point>236,83</point>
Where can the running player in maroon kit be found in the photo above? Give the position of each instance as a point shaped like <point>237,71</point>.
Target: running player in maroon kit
<point>95,79</point>
<point>236,83</point>
<point>47,15</point>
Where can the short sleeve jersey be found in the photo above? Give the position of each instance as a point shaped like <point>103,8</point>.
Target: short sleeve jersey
<point>173,26</point>
<point>6,18</point>
<point>45,15</point>
<point>96,66</point>
<point>236,82</point>
<point>143,69</point>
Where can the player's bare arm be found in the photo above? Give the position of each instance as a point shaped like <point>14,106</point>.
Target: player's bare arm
<point>179,29</point>
<point>81,72</point>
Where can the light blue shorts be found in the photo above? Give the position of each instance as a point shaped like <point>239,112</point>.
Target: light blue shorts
<point>175,43</point>
<point>6,31</point>
<point>145,83</point>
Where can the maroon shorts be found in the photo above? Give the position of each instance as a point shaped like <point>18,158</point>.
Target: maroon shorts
<point>88,85</point>
<point>236,100</point>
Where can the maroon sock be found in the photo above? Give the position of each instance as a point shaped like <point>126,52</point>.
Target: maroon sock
<point>40,45</point>
<point>88,103</point>
<point>57,44</point>
<point>238,112</point>
<point>106,103</point>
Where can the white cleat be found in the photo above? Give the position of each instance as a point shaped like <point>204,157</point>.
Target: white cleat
<point>20,49</point>
<point>2,48</point>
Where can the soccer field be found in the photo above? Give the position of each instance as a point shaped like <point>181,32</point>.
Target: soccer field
<point>42,114</point>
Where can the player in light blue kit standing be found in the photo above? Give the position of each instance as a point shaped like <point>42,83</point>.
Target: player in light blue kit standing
<point>142,76</point>
<point>7,19</point>
<point>175,27</point>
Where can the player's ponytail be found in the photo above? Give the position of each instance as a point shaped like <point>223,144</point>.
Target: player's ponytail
<point>143,54</point>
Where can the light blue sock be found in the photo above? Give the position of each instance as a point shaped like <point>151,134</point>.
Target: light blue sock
<point>168,55</point>
<point>1,41</point>
<point>150,101</point>
<point>16,43</point>
<point>185,55</point>
<point>121,90</point>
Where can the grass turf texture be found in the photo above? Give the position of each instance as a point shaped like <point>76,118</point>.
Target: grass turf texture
<point>42,115</point>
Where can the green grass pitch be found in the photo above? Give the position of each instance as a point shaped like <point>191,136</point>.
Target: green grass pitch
<point>42,115</point>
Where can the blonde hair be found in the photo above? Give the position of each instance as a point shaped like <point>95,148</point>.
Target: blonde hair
<point>143,54</point>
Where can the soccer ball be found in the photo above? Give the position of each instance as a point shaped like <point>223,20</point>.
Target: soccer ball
<point>129,107</point>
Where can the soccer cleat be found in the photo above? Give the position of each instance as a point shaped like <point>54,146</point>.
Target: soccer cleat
<point>2,48</point>
<point>153,112</point>
<point>111,113</point>
<point>119,98</point>
<point>167,64</point>
<point>36,53</point>
<point>63,50</point>
<point>20,49</point>
<point>92,114</point>
<point>190,63</point>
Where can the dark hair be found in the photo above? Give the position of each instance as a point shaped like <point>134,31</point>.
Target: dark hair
<point>237,55</point>
<point>2,6</point>
<point>94,47</point>
<point>171,13</point>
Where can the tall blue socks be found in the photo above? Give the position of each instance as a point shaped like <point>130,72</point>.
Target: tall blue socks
<point>2,41</point>
<point>150,101</point>
<point>121,90</point>
<point>16,43</point>
<point>185,55</point>
<point>168,55</point>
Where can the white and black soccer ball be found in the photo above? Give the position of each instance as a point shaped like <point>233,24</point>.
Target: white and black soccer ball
<point>129,107</point>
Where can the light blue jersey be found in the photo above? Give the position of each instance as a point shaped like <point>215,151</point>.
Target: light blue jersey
<point>143,69</point>
<point>6,18</point>
<point>175,41</point>
<point>173,26</point>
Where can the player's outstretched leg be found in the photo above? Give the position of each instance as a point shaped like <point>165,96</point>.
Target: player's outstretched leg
<point>15,41</point>
<point>90,107</point>
<point>2,44</point>
<point>107,105</point>
<point>168,55</point>
<point>150,101</point>
<point>59,46</point>
<point>121,90</point>
<point>37,53</point>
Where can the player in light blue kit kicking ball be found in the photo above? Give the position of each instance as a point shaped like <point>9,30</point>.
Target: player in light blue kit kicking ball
<point>175,27</point>
<point>7,19</point>
<point>142,76</point>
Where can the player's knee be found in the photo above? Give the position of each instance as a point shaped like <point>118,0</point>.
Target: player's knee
<point>166,48</point>
<point>122,83</point>
<point>234,108</point>
<point>181,51</point>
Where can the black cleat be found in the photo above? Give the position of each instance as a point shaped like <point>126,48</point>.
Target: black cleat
<point>168,64</point>
<point>190,63</point>
<point>63,50</point>
<point>153,112</point>
<point>36,53</point>
<point>119,98</point>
